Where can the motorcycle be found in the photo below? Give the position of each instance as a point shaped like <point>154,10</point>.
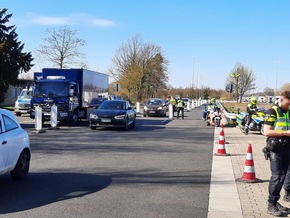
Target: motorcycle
<point>213,117</point>
<point>257,123</point>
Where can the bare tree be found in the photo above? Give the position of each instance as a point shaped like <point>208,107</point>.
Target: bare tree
<point>243,79</point>
<point>62,47</point>
<point>140,68</point>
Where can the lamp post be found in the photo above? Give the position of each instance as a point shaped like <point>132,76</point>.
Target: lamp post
<point>276,85</point>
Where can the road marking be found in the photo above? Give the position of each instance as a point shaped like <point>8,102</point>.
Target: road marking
<point>164,121</point>
<point>224,200</point>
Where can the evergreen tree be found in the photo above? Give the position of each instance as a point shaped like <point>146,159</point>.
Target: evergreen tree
<point>12,59</point>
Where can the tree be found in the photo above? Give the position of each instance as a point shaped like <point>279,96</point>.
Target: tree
<point>12,58</point>
<point>285,87</point>
<point>140,68</point>
<point>62,47</point>
<point>243,79</point>
<point>269,91</point>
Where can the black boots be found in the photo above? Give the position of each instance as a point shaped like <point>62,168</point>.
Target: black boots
<point>276,209</point>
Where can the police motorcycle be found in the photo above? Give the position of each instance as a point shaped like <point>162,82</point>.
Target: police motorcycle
<point>213,116</point>
<point>257,123</point>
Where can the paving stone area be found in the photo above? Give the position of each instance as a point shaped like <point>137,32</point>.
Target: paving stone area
<point>253,196</point>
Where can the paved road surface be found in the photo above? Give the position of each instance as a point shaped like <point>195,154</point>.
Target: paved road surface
<point>159,169</point>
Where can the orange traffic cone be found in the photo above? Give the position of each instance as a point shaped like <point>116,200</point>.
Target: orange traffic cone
<point>249,174</point>
<point>222,136</point>
<point>221,145</point>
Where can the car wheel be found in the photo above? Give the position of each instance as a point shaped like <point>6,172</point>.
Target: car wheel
<point>126,126</point>
<point>144,115</point>
<point>73,121</point>
<point>18,114</point>
<point>93,127</point>
<point>133,124</point>
<point>22,166</point>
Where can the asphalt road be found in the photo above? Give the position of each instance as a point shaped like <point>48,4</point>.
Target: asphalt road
<point>159,169</point>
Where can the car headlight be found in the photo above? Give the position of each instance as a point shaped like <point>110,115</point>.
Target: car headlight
<point>120,117</point>
<point>145,108</point>
<point>160,108</point>
<point>93,116</point>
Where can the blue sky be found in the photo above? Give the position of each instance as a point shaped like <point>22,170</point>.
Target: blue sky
<point>217,33</point>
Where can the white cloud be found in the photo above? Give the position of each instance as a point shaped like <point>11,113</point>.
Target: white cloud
<point>77,19</point>
<point>41,20</point>
<point>103,22</point>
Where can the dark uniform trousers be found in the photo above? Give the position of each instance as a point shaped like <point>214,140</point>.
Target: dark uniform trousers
<point>279,164</point>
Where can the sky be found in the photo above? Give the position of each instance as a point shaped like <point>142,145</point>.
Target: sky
<point>202,39</point>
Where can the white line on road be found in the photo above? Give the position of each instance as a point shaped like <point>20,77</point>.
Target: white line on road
<point>224,200</point>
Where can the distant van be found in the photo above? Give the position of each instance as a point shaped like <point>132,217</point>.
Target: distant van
<point>22,104</point>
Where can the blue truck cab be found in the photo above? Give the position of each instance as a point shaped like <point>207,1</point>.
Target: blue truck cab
<point>69,89</point>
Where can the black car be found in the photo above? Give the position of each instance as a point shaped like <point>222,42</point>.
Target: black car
<point>155,106</point>
<point>96,102</point>
<point>113,113</point>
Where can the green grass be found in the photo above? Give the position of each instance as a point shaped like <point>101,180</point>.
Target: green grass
<point>10,108</point>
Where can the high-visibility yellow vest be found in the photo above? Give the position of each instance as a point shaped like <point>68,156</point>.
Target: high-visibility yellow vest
<point>173,101</point>
<point>180,103</point>
<point>282,123</point>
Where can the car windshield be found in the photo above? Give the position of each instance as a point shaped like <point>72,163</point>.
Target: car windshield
<point>24,95</point>
<point>97,101</point>
<point>113,105</point>
<point>154,102</point>
<point>55,89</point>
<point>185,99</point>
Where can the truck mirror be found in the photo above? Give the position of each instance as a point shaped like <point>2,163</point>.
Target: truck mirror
<point>71,92</point>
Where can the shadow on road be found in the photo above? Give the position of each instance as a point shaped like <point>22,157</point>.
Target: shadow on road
<point>40,189</point>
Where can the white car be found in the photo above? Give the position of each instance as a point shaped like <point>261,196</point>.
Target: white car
<point>14,147</point>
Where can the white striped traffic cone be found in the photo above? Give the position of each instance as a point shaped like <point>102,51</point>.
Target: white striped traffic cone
<point>249,174</point>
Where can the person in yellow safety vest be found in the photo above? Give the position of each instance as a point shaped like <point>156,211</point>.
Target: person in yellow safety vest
<point>180,108</point>
<point>173,103</point>
<point>277,131</point>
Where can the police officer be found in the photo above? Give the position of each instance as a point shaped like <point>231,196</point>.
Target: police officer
<point>180,108</point>
<point>173,103</point>
<point>251,109</point>
<point>277,130</point>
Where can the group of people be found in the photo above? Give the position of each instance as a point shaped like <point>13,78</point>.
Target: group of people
<point>178,105</point>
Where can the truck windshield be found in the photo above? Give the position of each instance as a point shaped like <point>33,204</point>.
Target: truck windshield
<point>54,89</point>
<point>24,95</point>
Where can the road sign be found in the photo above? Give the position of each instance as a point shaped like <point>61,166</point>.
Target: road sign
<point>117,87</point>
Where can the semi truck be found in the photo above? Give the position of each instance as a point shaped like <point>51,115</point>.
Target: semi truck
<point>70,90</point>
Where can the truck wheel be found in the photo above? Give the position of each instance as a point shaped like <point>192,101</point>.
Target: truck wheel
<point>73,121</point>
<point>22,166</point>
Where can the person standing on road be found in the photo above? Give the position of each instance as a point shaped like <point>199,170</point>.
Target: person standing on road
<point>180,108</point>
<point>173,103</point>
<point>277,131</point>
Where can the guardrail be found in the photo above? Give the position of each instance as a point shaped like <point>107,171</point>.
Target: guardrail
<point>231,117</point>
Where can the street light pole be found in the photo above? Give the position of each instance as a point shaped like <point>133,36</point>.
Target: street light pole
<point>193,72</point>
<point>276,78</point>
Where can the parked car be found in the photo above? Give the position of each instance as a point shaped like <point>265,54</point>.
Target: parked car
<point>96,102</point>
<point>155,106</point>
<point>186,101</point>
<point>14,148</point>
<point>22,104</point>
<point>114,113</point>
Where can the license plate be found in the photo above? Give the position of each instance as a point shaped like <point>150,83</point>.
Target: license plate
<point>46,114</point>
<point>63,114</point>
<point>105,120</point>
<point>152,112</point>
